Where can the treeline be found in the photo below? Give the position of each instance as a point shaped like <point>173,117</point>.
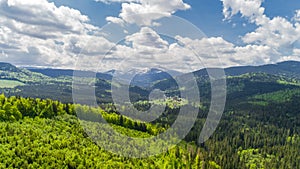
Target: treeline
<point>15,108</point>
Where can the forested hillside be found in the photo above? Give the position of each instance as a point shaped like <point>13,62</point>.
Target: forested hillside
<point>37,132</point>
<point>44,133</point>
<point>260,127</point>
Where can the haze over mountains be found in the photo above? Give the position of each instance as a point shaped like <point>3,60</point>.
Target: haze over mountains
<point>57,83</point>
<point>147,78</point>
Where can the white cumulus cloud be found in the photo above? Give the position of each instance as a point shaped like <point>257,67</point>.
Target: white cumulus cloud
<point>251,9</point>
<point>144,12</point>
<point>297,16</point>
<point>116,1</point>
<point>277,33</point>
<point>40,33</point>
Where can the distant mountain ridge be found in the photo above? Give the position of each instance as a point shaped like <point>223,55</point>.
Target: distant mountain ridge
<point>287,68</point>
<point>11,72</point>
<point>150,77</point>
<point>241,81</point>
<point>68,72</point>
<point>8,67</point>
<point>143,78</point>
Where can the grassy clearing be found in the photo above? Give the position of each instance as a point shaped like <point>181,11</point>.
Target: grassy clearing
<point>10,83</point>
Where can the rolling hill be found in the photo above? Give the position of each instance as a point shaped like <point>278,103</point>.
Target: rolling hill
<point>241,81</point>
<point>11,72</point>
<point>259,127</point>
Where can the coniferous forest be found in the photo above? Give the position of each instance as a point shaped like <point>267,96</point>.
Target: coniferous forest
<point>260,127</point>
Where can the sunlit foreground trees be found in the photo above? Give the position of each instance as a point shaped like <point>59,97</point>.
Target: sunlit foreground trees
<point>47,134</point>
<point>44,133</point>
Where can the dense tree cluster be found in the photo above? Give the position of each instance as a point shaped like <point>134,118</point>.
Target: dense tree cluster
<point>60,142</point>
<point>259,129</point>
<point>45,133</point>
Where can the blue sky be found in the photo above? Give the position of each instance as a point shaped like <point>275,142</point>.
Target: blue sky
<point>243,32</point>
<point>207,15</point>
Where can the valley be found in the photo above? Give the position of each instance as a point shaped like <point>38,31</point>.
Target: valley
<point>259,128</point>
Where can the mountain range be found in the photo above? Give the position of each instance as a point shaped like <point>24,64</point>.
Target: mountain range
<point>149,77</point>
<point>242,81</point>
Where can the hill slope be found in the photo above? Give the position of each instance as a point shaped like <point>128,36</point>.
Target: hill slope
<point>259,128</point>
<point>11,72</point>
